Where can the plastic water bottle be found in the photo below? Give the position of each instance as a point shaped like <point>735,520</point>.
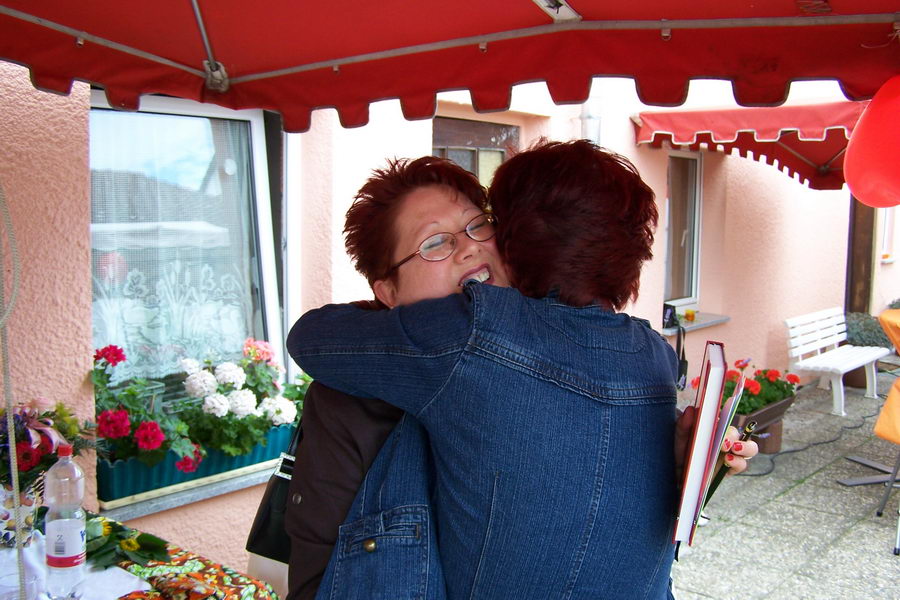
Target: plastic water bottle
<point>65,540</point>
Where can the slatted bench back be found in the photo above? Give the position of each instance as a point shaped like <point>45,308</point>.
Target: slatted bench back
<point>815,332</point>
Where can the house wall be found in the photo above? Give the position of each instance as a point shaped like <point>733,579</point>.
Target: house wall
<point>886,284</point>
<point>770,247</point>
<point>45,179</point>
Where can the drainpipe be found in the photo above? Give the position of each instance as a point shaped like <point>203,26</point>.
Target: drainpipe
<point>590,121</point>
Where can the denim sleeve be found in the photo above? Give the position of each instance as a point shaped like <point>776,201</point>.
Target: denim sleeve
<point>402,356</point>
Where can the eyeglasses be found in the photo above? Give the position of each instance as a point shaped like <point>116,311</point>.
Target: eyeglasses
<point>441,245</point>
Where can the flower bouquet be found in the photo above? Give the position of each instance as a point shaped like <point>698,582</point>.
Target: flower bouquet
<point>109,542</point>
<point>39,427</point>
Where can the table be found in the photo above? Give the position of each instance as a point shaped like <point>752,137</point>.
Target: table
<point>184,572</point>
<point>99,585</point>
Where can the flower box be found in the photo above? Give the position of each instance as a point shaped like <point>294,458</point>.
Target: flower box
<point>131,477</point>
<point>768,424</point>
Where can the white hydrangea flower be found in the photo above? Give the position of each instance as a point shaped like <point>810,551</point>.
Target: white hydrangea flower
<point>279,410</point>
<point>242,402</point>
<point>190,365</point>
<point>216,404</point>
<point>201,384</point>
<point>229,373</point>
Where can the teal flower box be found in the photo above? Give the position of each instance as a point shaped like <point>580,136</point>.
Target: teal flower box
<point>131,477</point>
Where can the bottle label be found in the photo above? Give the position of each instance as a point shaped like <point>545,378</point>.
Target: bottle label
<point>65,543</point>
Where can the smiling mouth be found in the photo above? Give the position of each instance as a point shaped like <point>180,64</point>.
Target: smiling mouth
<point>479,276</point>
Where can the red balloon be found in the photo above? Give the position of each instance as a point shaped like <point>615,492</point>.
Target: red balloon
<point>872,161</point>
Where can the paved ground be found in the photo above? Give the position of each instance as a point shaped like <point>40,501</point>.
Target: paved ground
<point>790,531</point>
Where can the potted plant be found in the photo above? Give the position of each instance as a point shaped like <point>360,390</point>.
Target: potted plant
<point>864,330</point>
<point>767,395</point>
<point>226,416</point>
<point>130,419</point>
<point>234,406</point>
<point>39,427</point>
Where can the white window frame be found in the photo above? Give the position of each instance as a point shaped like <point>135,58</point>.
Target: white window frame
<point>691,301</point>
<point>262,206</point>
<point>887,235</point>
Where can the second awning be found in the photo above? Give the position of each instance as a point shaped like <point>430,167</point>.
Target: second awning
<point>805,139</point>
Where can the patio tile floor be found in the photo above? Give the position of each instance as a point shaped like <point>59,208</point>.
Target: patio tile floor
<point>788,530</point>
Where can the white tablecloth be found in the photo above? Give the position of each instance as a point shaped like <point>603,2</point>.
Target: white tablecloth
<point>105,584</point>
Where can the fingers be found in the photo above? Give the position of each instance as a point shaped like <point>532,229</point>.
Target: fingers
<point>732,443</point>
<point>737,451</point>
<point>737,464</point>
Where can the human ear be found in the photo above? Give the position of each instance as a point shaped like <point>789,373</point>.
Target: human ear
<point>386,291</point>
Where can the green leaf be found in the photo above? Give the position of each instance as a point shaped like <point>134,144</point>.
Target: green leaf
<point>135,557</point>
<point>96,543</point>
<point>151,542</point>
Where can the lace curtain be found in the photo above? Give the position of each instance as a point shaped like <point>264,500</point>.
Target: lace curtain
<point>174,262</point>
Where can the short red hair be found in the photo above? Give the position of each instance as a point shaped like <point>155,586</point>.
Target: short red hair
<point>370,235</point>
<point>575,218</point>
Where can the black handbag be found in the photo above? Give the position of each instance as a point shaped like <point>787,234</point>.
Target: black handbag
<point>268,536</point>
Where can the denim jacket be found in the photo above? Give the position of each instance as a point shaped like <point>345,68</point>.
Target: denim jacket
<point>386,548</point>
<point>550,428</point>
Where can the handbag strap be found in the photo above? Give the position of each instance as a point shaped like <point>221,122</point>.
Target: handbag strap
<point>295,439</point>
<point>681,383</point>
<point>285,467</point>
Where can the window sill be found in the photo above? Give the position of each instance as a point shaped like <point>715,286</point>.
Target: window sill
<point>149,506</point>
<point>701,321</point>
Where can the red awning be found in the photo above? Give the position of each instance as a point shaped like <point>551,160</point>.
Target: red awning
<point>292,57</point>
<point>807,140</point>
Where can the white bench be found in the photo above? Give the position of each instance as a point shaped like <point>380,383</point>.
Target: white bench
<point>813,349</point>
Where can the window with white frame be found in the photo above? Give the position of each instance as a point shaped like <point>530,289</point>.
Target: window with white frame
<point>182,255</point>
<point>683,227</point>
<point>887,234</point>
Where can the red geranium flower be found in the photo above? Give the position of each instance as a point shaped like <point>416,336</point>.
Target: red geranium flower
<point>46,446</point>
<point>742,363</point>
<point>111,354</point>
<point>758,372</point>
<point>695,382</point>
<point>27,456</point>
<point>773,375</point>
<point>753,386</point>
<point>149,436</point>
<point>732,375</point>
<point>187,464</point>
<point>792,378</point>
<point>113,424</point>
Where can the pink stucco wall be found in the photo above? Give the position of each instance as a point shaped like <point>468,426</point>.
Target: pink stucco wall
<point>46,179</point>
<point>44,174</point>
<point>770,249</point>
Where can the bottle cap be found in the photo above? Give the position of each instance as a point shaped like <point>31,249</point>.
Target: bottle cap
<point>64,450</point>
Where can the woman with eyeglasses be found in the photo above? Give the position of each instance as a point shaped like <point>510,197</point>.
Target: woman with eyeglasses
<point>343,434</point>
<point>550,425</point>
<point>549,418</point>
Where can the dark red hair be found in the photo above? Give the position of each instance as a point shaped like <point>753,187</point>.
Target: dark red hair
<point>369,230</point>
<point>575,218</point>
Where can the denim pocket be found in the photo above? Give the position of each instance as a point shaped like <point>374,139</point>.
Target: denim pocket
<point>383,556</point>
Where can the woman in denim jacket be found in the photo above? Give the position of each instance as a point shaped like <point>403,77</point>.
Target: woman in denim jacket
<point>550,417</point>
